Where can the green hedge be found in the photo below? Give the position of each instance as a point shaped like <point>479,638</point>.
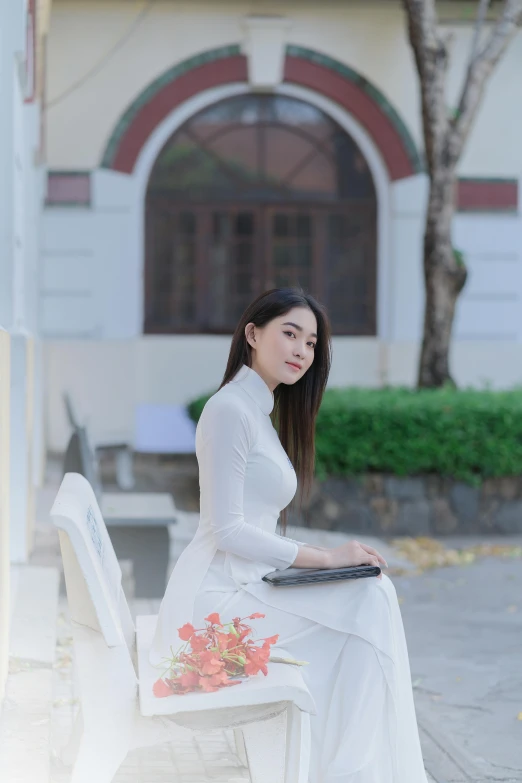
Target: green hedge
<point>465,434</point>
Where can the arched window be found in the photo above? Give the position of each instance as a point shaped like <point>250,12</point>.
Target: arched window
<point>256,192</point>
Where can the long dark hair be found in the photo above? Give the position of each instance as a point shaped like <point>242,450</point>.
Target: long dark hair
<point>295,406</point>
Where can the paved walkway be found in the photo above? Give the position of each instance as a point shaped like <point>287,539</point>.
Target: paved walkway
<point>464,631</point>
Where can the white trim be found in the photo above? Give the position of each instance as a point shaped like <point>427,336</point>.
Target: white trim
<point>181,114</point>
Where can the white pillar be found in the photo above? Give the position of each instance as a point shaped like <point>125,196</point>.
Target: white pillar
<point>5,596</point>
<point>18,247</point>
<point>19,449</point>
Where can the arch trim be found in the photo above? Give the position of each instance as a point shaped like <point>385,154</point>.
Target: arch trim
<point>114,156</point>
<point>364,100</point>
<point>303,67</point>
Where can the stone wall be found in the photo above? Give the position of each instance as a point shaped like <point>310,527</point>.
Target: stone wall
<point>374,504</point>
<point>390,505</point>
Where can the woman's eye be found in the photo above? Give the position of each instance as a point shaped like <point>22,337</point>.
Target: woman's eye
<point>290,333</point>
<point>312,344</point>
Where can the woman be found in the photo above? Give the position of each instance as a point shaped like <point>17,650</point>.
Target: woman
<point>350,632</point>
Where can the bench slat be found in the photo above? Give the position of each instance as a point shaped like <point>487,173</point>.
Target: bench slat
<point>143,508</point>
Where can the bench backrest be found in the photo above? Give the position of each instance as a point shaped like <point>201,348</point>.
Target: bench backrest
<point>69,410</point>
<point>81,458</point>
<point>92,572</point>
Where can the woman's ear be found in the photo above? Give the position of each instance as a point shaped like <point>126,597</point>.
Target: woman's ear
<point>250,333</point>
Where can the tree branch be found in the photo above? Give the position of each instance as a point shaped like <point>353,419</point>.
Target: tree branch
<point>431,58</point>
<point>480,67</point>
<point>481,18</point>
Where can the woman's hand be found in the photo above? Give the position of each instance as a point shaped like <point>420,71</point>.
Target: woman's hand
<point>348,554</point>
<point>353,553</point>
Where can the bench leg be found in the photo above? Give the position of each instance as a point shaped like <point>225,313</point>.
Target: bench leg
<point>265,743</point>
<point>298,742</point>
<point>240,747</point>
<point>99,757</point>
<point>124,469</point>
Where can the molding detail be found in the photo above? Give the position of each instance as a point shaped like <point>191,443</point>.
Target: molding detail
<point>483,194</point>
<point>361,98</point>
<point>264,47</point>
<point>303,67</point>
<point>68,188</point>
<point>152,96</point>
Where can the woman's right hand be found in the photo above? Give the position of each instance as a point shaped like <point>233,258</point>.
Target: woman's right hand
<point>353,553</point>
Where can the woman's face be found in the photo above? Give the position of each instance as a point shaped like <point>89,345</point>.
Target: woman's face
<point>283,349</point>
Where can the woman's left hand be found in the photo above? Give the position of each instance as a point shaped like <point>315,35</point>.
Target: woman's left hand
<point>372,551</point>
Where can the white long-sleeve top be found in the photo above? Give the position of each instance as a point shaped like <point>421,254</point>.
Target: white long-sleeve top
<point>246,479</point>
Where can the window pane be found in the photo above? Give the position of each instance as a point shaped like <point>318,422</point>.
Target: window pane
<point>171,240</point>
<point>350,271</point>
<point>291,249</point>
<point>255,191</point>
<point>231,255</point>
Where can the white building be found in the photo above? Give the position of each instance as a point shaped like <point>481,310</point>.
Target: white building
<point>23,26</point>
<point>200,152</point>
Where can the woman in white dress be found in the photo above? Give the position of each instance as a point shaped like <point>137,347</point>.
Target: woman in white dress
<point>350,632</point>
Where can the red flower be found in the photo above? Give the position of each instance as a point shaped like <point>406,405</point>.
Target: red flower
<point>212,666</point>
<point>189,679</point>
<point>206,685</point>
<point>219,679</point>
<point>271,639</point>
<point>198,643</point>
<point>214,655</point>
<point>161,689</point>
<point>186,631</point>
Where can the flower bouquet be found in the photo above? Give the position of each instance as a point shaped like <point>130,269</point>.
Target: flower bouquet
<point>214,657</point>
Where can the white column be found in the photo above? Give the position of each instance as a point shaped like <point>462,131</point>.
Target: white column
<point>19,449</point>
<point>5,597</point>
<point>18,267</point>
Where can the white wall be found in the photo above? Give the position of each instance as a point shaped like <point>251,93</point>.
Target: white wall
<point>86,101</point>
<point>490,307</point>
<point>92,273</point>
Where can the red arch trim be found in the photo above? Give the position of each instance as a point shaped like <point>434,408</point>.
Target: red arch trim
<point>360,105</point>
<point>148,112</point>
<point>152,113</point>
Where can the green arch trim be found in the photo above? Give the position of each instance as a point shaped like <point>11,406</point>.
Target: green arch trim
<point>154,87</point>
<point>371,91</point>
<point>234,50</point>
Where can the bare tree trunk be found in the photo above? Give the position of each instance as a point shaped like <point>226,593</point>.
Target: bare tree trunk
<point>444,140</point>
<point>444,278</point>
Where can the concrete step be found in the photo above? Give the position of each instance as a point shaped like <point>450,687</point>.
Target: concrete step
<point>26,710</point>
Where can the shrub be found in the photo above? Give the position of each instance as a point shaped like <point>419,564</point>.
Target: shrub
<point>464,434</point>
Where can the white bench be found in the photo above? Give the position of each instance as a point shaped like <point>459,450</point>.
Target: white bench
<point>118,712</point>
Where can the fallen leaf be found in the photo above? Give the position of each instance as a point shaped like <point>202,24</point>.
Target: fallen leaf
<point>427,553</point>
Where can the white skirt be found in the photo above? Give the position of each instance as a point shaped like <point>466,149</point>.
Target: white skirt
<point>365,728</point>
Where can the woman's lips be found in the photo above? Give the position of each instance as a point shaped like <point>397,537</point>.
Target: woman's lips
<point>295,366</point>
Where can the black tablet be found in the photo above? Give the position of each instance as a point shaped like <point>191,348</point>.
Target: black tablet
<point>301,576</point>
